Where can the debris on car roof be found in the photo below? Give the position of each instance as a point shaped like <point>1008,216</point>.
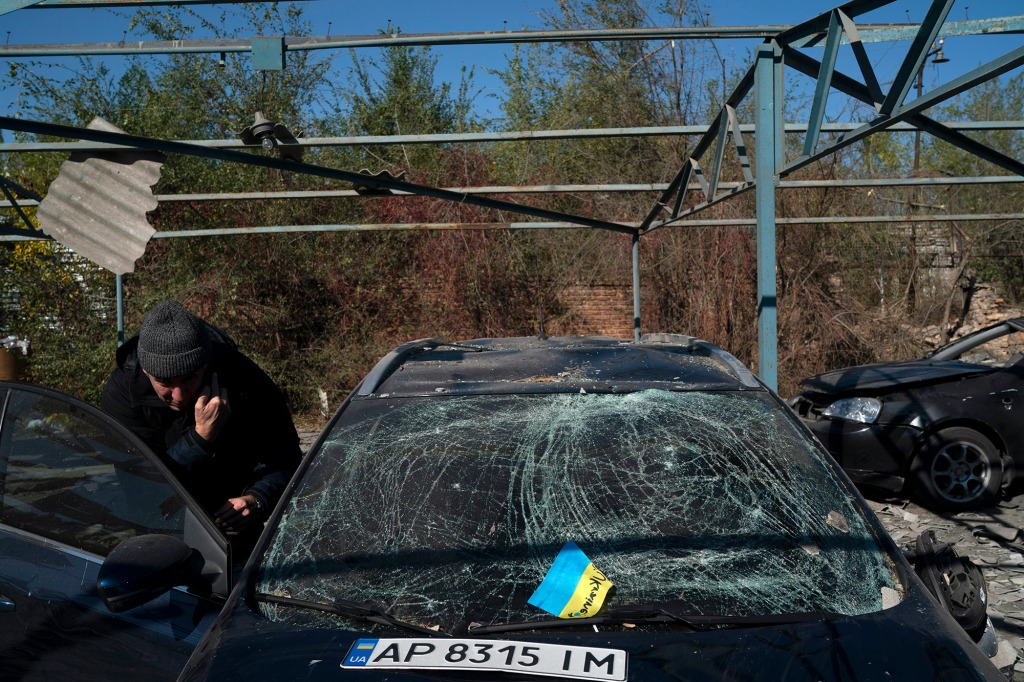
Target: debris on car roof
<point>568,364</point>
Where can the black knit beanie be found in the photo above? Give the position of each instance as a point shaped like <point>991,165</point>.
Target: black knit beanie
<point>172,342</point>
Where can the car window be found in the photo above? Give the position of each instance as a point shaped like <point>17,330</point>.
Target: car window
<point>69,474</point>
<point>448,510</point>
<point>1003,351</point>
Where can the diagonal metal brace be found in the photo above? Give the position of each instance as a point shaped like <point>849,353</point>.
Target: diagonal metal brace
<point>911,112</point>
<point>678,187</point>
<point>230,155</point>
<point>915,56</point>
<point>5,187</point>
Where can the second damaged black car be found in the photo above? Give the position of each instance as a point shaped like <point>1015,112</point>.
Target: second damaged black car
<point>946,427</point>
<point>588,509</point>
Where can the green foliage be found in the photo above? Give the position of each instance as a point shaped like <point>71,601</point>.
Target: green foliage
<point>605,84</point>
<point>529,94</point>
<point>398,95</point>
<point>63,305</point>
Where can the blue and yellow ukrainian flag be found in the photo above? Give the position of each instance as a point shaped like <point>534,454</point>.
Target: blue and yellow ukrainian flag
<point>573,587</point>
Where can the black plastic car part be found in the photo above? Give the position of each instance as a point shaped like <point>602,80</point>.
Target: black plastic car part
<point>955,581</point>
<point>142,568</point>
<point>390,362</point>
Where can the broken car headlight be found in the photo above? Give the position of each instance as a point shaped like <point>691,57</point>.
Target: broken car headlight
<point>864,410</point>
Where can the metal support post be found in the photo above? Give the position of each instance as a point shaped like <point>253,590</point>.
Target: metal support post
<point>119,285</point>
<point>769,141</point>
<point>636,285</point>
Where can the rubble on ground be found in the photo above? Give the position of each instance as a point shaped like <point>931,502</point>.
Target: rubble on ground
<point>993,540</point>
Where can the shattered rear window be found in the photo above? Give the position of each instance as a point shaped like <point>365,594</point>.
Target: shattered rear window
<point>450,510</point>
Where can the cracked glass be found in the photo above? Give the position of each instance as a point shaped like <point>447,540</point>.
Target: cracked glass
<point>447,511</point>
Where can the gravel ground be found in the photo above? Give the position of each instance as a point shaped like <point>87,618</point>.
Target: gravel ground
<point>991,538</point>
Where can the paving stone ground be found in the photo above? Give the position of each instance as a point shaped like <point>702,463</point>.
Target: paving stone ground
<point>992,538</point>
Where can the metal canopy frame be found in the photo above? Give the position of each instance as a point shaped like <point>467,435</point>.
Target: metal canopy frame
<point>699,177</point>
<point>871,32</point>
<point>765,77</point>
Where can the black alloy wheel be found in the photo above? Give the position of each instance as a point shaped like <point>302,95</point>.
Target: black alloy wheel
<point>956,469</point>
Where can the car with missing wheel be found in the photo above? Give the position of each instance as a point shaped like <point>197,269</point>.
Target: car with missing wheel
<point>946,427</point>
<point>576,508</point>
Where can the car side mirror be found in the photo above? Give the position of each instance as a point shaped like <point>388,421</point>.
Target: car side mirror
<point>142,568</point>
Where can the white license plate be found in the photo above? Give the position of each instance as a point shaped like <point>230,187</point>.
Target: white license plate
<point>556,660</point>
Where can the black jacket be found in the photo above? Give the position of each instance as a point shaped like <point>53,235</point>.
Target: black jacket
<point>256,452</point>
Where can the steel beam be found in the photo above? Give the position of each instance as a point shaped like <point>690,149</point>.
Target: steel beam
<point>636,285</point>
<point>723,222</point>
<point>121,4</point>
<point>9,234</point>
<point>716,160</point>
<point>740,144</point>
<point>8,6</point>
<point>824,83</point>
<point>806,34</point>
<point>768,145</point>
<point>816,27</point>
<point>735,189</point>
<point>261,160</point>
<point>1009,25</point>
<point>794,36</point>
<point>731,187</point>
<point>850,86</point>
<point>676,193</point>
<point>914,59</point>
<point>863,62</point>
<point>512,136</point>
<point>381,40</point>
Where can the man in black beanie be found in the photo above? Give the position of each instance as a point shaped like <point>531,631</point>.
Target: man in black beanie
<point>210,413</point>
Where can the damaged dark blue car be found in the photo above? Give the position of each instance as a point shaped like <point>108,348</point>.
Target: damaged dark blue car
<point>453,509</point>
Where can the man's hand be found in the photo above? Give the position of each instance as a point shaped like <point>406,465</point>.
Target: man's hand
<point>237,514</point>
<point>212,410</point>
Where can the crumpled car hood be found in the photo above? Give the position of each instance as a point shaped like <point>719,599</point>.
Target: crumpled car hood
<point>890,375</point>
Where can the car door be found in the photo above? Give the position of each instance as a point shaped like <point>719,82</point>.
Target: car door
<point>991,399</point>
<point>73,484</point>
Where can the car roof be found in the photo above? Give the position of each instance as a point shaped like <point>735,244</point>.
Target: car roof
<point>556,365</point>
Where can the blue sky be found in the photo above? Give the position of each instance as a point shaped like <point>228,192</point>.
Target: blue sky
<point>348,17</point>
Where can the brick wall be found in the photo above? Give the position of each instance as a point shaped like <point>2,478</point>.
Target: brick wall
<point>599,309</point>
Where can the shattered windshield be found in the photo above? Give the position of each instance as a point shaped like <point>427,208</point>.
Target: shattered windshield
<point>450,510</point>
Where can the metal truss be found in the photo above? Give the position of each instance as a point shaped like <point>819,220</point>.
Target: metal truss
<point>697,186</point>
<point>680,200</point>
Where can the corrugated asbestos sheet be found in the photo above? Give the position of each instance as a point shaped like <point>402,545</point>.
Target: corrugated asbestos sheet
<point>97,205</point>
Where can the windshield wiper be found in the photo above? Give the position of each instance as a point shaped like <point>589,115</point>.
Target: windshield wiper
<point>344,607</point>
<point>656,614</point>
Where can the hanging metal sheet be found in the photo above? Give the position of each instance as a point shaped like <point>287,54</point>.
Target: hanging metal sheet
<point>97,205</point>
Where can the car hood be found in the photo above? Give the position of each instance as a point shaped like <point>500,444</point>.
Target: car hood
<point>912,640</point>
<point>890,375</point>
